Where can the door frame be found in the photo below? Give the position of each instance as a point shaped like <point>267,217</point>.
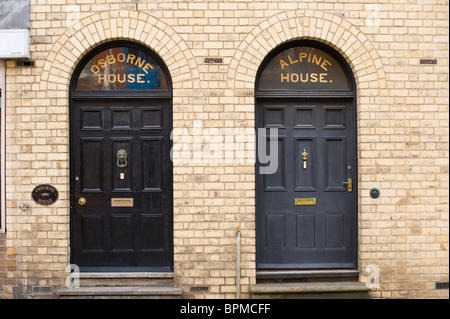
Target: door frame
<point>261,96</point>
<point>115,95</point>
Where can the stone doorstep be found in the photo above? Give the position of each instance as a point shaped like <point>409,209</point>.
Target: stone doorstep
<point>120,291</point>
<point>91,279</point>
<point>305,288</point>
<point>336,274</point>
<point>123,284</point>
<point>127,275</point>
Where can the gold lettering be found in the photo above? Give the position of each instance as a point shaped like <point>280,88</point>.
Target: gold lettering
<point>121,80</point>
<point>102,63</point>
<point>290,60</point>
<point>121,57</point>
<point>101,78</point>
<point>111,59</point>
<point>324,65</point>
<point>302,77</point>
<point>283,64</point>
<point>139,78</point>
<point>139,62</point>
<point>131,78</point>
<point>304,80</point>
<point>316,60</point>
<point>302,55</point>
<point>95,69</point>
<point>145,69</point>
<point>112,78</point>
<point>130,58</point>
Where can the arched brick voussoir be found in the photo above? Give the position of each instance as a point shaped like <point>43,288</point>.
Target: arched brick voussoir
<point>99,28</point>
<point>324,27</point>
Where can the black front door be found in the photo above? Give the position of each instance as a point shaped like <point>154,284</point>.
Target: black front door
<point>306,210</point>
<point>121,184</point>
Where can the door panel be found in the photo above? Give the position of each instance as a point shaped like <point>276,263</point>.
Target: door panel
<point>152,163</point>
<point>276,226</point>
<point>92,165</point>
<point>126,222</point>
<point>334,164</point>
<point>305,231</point>
<point>292,230</point>
<point>305,179</point>
<point>276,182</point>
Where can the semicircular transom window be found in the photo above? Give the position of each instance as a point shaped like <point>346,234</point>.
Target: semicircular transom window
<point>303,68</point>
<point>122,69</point>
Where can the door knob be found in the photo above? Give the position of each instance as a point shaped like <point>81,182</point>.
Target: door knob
<point>81,201</point>
<point>349,184</point>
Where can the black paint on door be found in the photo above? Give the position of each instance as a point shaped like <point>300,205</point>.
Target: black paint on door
<point>293,233</point>
<point>126,222</point>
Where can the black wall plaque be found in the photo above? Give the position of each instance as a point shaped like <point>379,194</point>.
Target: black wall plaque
<point>45,195</point>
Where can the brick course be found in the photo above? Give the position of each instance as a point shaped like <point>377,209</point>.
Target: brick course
<point>402,131</point>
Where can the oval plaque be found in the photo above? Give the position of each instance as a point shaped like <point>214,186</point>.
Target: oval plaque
<point>45,195</point>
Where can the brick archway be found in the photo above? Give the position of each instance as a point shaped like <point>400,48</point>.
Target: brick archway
<point>324,27</point>
<point>109,26</point>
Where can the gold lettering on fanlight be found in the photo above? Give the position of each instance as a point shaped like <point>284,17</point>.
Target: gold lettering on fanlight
<point>121,78</point>
<point>308,58</point>
<point>305,77</point>
<point>129,58</point>
<point>304,57</point>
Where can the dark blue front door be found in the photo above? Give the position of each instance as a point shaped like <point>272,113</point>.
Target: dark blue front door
<point>306,210</point>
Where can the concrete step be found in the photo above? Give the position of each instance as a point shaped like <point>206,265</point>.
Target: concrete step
<point>123,285</point>
<point>121,292</point>
<point>113,279</point>
<point>310,290</point>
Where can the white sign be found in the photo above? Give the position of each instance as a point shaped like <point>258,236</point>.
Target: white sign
<point>14,44</point>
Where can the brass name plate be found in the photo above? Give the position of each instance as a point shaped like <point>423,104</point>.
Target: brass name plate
<point>122,202</point>
<point>305,202</point>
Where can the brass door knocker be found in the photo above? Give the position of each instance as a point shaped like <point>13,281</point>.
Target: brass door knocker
<point>304,158</point>
<point>122,158</point>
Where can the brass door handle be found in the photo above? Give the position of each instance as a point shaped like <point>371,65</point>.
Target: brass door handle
<point>349,184</point>
<point>81,201</point>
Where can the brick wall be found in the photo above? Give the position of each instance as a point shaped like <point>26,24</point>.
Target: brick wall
<point>7,265</point>
<point>402,129</point>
